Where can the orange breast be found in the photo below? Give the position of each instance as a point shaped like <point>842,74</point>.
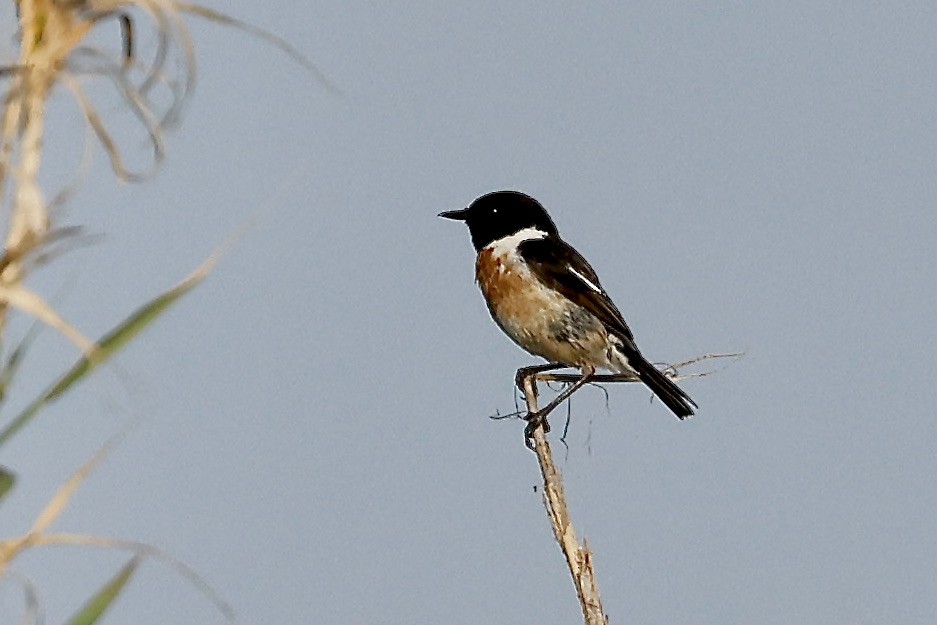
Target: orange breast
<point>538,319</point>
<point>506,286</point>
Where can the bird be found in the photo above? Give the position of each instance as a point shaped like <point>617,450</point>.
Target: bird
<point>548,299</point>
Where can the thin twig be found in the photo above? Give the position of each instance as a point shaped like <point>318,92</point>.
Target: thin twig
<point>578,557</point>
<point>669,371</point>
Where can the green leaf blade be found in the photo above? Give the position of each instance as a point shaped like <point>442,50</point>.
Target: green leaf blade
<point>7,480</point>
<point>106,347</point>
<point>98,604</point>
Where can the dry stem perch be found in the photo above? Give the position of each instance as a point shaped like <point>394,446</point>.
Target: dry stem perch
<point>578,557</point>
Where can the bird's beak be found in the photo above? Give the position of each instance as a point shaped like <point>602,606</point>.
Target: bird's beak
<point>459,215</point>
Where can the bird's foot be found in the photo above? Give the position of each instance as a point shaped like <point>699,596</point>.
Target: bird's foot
<point>534,420</point>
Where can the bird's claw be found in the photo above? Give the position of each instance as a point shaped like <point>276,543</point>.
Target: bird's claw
<point>534,420</point>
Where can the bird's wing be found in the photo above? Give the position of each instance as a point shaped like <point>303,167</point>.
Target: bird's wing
<point>560,267</point>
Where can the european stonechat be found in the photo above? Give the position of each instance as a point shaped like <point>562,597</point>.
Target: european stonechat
<point>547,298</point>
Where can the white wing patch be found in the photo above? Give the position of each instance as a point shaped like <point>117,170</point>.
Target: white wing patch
<point>585,280</point>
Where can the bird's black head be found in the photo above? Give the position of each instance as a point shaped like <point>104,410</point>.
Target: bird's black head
<point>500,214</point>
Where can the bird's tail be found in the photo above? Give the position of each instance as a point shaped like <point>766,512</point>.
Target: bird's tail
<point>666,389</point>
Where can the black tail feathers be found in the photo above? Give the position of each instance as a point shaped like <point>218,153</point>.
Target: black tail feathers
<point>666,389</point>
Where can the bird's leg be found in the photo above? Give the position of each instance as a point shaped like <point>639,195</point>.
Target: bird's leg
<point>524,372</point>
<point>535,419</point>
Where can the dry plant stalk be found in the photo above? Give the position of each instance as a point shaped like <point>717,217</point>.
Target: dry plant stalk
<point>54,54</point>
<point>49,34</point>
<point>52,35</point>
<point>578,557</point>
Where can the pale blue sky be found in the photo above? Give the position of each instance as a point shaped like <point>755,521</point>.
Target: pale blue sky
<point>314,435</point>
